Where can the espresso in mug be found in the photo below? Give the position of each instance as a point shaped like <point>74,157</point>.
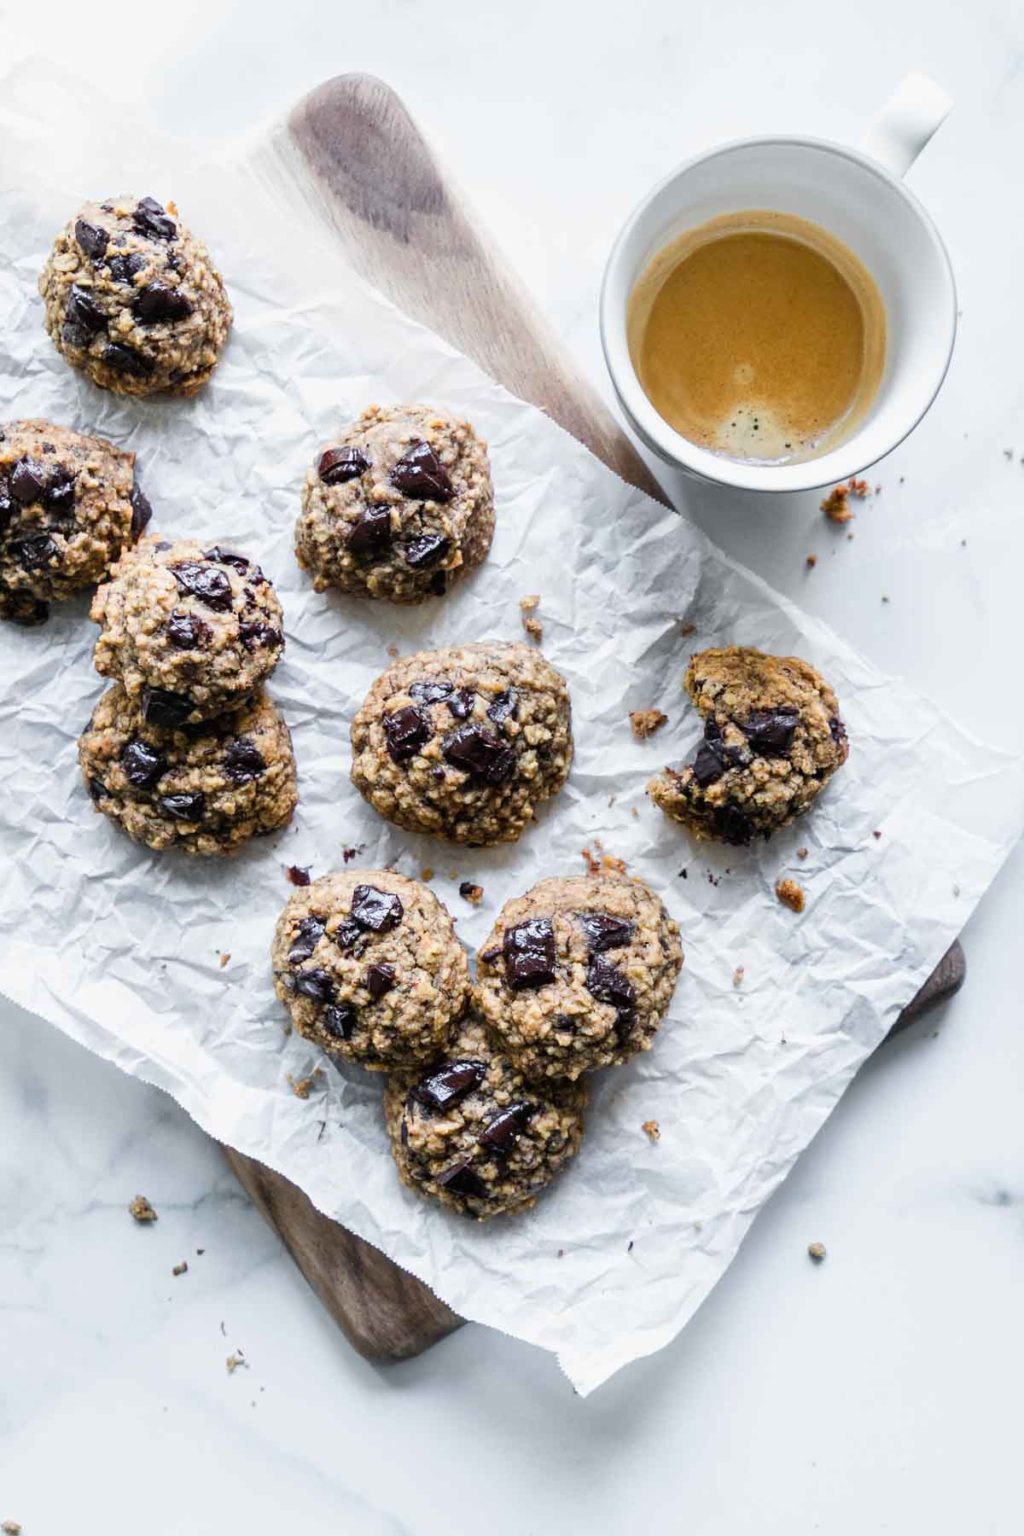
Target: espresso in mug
<point>759,336</point>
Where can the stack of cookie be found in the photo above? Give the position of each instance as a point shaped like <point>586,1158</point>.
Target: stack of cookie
<point>186,750</point>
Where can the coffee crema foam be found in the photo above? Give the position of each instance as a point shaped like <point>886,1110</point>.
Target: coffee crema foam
<point>759,336</point>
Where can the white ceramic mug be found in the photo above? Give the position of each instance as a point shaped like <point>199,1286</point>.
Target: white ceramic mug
<point>859,197</point>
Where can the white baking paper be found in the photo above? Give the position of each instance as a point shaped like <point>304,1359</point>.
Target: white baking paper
<point>123,949</point>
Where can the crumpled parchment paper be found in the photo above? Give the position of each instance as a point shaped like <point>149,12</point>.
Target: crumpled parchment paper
<point>122,948</point>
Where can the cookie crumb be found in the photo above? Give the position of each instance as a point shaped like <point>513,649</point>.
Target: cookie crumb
<point>836,505</point>
<point>427,873</point>
<point>298,874</point>
<point>598,862</point>
<point>348,854</point>
<point>802,853</point>
<point>533,627</point>
<point>645,722</point>
<point>234,1361</point>
<point>180,1269</point>
<point>790,894</point>
<point>394,652</point>
<point>10,1528</point>
<point>302,1086</point>
<point>224,960</point>
<point>816,1252</point>
<point>686,630</point>
<point>738,975</point>
<point>470,891</point>
<point>811,562</point>
<point>651,1129</point>
<point>141,1210</point>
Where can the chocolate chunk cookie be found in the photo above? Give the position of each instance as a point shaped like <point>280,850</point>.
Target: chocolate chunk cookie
<point>397,506</point>
<point>204,790</point>
<point>465,742</point>
<point>191,629</point>
<point>133,299</point>
<point>472,1133</point>
<point>772,740</point>
<point>578,974</point>
<point>68,506</point>
<point>368,966</point>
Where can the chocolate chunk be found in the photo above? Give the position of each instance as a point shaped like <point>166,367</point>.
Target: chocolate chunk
<point>141,512</point>
<point>439,583</point>
<point>35,552</point>
<point>59,494</point>
<point>150,218</point>
<point>142,764</point>
<point>223,556</point>
<point>461,703</point>
<point>307,936</point>
<point>503,706</point>
<point>529,951</point>
<point>420,475</point>
<point>161,707</point>
<point>97,790</point>
<point>122,359</point>
<point>731,826</point>
<point>91,238</point>
<point>477,751</point>
<point>123,268</point>
<point>450,1084</point>
<point>296,875</point>
<point>610,985</point>
<point>371,532</point>
<point>837,730</point>
<point>771,731</point>
<point>379,980</point>
<point>339,1020</point>
<point>185,807</point>
<point>316,984</point>
<point>604,931</point>
<point>709,764</point>
<point>28,481</point>
<point>461,1180</point>
<point>488,956</point>
<point>377,910</point>
<point>255,635</point>
<point>336,465</point>
<point>6,506</point>
<point>502,1132</point>
<point>159,301</point>
<point>429,693</point>
<point>348,935</point>
<point>84,312</point>
<point>427,550</point>
<point>186,631</point>
<point>405,732</point>
<point>243,761</point>
<point>204,582</point>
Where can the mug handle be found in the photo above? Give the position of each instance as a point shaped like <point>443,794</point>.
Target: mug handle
<point>900,130</point>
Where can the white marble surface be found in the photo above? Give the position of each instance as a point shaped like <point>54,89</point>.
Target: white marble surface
<point>879,1392</point>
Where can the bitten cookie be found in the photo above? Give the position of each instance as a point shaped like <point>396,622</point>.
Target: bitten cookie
<point>474,1135</point>
<point>133,300</point>
<point>578,974</point>
<point>398,506</point>
<point>464,743</point>
<point>191,630</point>
<point>205,790</point>
<point>772,740</point>
<point>69,505</point>
<point>368,966</point>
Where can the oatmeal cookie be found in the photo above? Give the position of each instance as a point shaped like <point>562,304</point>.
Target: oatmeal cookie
<point>397,507</point>
<point>69,505</point>
<point>368,966</point>
<point>192,630</point>
<point>474,1134</point>
<point>133,300</point>
<point>772,740</point>
<point>464,743</point>
<point>578,974</point>
<point>205,789</point>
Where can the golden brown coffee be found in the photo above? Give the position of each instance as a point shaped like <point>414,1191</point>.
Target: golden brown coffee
<point>759,336</point>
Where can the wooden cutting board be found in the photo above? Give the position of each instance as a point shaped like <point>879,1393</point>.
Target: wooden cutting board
<point>352,152</point>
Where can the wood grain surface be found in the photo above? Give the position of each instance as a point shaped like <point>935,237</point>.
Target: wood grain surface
<point>352,154</point>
